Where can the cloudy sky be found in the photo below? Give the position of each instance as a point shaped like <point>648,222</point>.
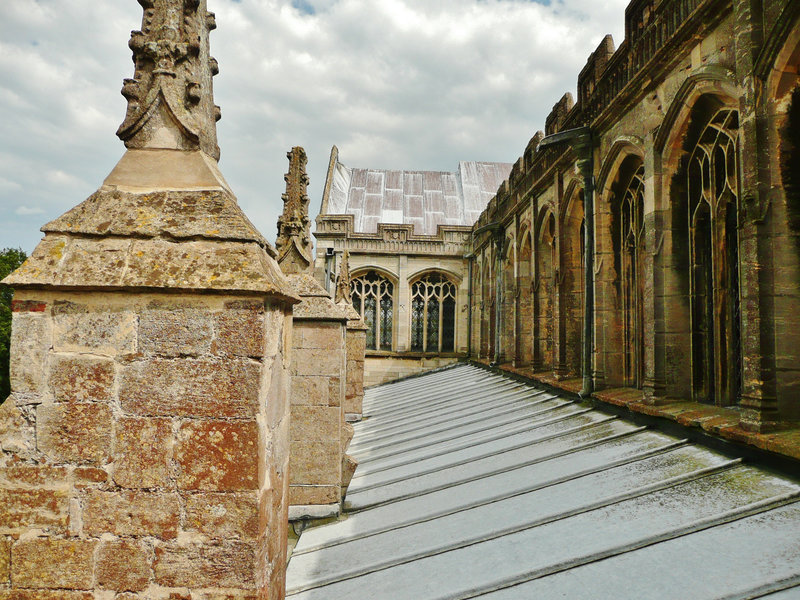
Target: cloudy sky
<point>406,84</point>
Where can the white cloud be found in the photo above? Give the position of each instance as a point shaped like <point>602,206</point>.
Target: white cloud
<point>412,84</point>
<point>27,211</point>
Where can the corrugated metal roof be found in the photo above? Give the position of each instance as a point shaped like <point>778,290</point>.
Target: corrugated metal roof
<point>472,485</point>
<point>424,199</point>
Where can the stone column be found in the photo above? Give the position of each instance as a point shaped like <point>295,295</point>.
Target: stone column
<point>145,442</point>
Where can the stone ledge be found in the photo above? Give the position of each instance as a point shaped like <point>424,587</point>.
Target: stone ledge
<point>717,421</point>
<point>313,511</point>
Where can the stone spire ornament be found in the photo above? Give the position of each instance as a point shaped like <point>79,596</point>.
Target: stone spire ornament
<point>343,281</point>
<point>170,97</point>
<point>294,233</point>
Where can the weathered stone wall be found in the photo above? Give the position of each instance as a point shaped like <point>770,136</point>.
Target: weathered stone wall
<point>647,108</point>
<point>384,369</point>
<point>355,342</point>
<point>318,384</point>
<point>145,447</point>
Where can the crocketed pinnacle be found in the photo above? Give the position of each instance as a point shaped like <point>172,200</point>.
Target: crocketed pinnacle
<point>294,233</point>
<point>170,97</point>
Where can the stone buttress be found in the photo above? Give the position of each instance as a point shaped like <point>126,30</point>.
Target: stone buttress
<point>145,445</point>
<point>319,468</point>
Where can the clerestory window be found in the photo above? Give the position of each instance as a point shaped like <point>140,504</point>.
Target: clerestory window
<point>372,296</point>
<point>433,314</point>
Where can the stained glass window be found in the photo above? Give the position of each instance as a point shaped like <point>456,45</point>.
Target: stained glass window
<point>372,296</point>
<point>433,314</point>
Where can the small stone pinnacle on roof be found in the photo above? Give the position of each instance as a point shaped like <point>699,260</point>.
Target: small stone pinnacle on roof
<point>170,97</point>
<point>294,233</point>
<point>343,281</point>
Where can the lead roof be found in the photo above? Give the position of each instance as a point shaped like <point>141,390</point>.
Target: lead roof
<point>473,485</point>
<point>424,199</point>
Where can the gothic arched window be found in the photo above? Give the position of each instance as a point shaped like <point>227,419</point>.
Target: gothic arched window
<point>372,296</point>
<point>713,179</point>
<point>433,314</point>
<point>630,246</point>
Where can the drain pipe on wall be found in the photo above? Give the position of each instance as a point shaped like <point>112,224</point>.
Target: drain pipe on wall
<point>497,231</point>
<point>581,141</point>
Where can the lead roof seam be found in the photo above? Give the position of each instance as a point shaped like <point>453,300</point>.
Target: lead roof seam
<point>535,425</point>
<point>475,388</point>
<point>472,409</point>
<point>511,433</point>
<point>697,526</point>
<point>500,497</point>
<point>404,435</point>
<point>602,503</point>
<point>475,396</point>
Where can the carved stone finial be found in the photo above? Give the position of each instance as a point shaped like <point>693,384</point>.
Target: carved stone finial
<point>294,233</point>
<point>170,97</point>
<point>343,282</point>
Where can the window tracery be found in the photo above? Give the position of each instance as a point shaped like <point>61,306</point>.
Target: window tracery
<point>433,314</point>
<point>373,298</point>
<point>713,184</point>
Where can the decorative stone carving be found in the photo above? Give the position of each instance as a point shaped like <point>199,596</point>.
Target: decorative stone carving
<point>170,99</point>
<point>343,281</point>
<point>294,234</point>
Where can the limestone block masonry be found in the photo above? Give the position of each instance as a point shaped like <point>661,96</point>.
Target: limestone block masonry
<point>145,445</point>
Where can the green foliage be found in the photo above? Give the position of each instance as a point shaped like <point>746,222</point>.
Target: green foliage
<point>10,259</point>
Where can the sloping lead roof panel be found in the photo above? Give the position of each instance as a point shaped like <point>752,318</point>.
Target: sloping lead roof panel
<point>471,485</point>
<point>424,199</point>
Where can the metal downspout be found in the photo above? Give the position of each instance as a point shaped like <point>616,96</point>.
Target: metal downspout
<point>581,141</point>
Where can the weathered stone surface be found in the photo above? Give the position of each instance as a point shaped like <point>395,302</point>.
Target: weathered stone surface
<point>128,513</point>
<point>22,509</point>
<point>223,516</point>
<point>327,336</point>
<point>317,462</point>
<point>240,333</point>
<point>294,234</point>
<point>123,566</point>
<point>79,379</point>
<point>176,332</point>
<point>192,265</point>
<point>225,565</point>
<point>31,339</point>
<point>142,452</point>
<point>17,434</point>
<point>218,455</point>
<point>35,475</point>
<point>349,465</point>
<point>77,433</point>
<point>5,561</point>
<point>300,495</point>
<point>315,423</point>
<point>310,390</point>
<point>44,595</point>
<point>79,329</point>
<point>317,362</point>
<point>86,476</point>
<point>190,388</point>
<point>208,213</point>
<point>53,564</point>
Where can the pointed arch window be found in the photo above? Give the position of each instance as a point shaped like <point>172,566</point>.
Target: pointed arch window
<point>713,184</point>
<point>433,314</point>
<point>630,247</point>
<point>373,299</point>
